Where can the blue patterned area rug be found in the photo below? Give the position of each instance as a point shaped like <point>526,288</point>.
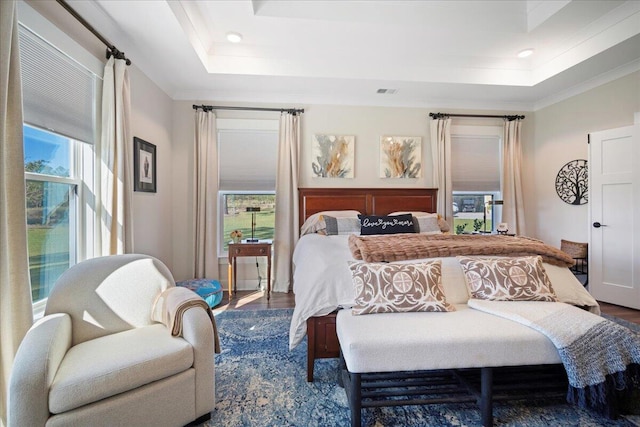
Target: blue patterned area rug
<point>259,382</point>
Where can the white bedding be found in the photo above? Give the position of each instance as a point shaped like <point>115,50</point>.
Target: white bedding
<point>322,281</point>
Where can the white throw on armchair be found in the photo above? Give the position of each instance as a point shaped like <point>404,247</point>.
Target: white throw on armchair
<point>98,359</point>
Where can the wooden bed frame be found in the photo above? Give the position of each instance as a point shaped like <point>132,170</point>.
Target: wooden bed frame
<point>322,340</point>
<point>369,201</point>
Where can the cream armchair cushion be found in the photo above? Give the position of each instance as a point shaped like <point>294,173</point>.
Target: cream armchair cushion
<point>97,357</point>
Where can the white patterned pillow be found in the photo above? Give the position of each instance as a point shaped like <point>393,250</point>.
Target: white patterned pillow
<point>395,288</point>
<point>507,279</point>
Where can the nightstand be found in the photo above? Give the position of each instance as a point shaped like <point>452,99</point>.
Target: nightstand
<point>248,249</point>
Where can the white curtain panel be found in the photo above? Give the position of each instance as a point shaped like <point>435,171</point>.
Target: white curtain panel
<point>16,315</point>
<point>206,195</point>
<point>286,222</point>
<point>441,155</point>
<point>512,195</point>
<point>114,199</point>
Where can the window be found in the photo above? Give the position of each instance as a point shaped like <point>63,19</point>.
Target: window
<point>247,157</point>
<point>51,188</point>
<point>476,174</point>
<point>235,216</point>
<point>474,212</point>
<point>61,87</point>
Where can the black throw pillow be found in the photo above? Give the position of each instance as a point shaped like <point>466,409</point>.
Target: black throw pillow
<point>374,224</point>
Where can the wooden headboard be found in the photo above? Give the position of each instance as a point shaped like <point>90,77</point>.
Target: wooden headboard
<point>369,201</point>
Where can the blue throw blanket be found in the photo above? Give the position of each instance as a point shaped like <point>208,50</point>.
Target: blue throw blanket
<point>602,358</point>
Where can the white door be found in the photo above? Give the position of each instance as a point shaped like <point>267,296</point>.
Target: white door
<point>614,216</point>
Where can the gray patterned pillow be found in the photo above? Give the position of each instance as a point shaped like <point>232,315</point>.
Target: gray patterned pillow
<point>395,288</point>
<point>507,279</point>
<point>336,226</point>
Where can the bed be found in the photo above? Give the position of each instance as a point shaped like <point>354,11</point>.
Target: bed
<point>315,309</point>
<point>321,279</point>
<point>323,285</point>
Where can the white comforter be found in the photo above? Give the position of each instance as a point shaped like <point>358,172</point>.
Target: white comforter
<point>322,281</point>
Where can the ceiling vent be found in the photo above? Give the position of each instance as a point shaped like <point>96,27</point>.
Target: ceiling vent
<point>388,91</point>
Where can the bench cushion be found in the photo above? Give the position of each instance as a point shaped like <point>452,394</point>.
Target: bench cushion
<point>465,338</point>
<point>106,366</point>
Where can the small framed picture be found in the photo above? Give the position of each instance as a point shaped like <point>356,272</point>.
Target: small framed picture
<point>144,166</point>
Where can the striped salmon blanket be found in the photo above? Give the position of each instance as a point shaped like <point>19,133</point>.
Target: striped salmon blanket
<point>601,357</point>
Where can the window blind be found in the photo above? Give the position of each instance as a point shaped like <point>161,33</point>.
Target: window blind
<point>58,94</point>
<point>475,163</point>
<point>247,159</point>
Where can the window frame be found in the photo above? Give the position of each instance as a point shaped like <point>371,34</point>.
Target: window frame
<point>479,131</point>
<point>77,221</point>
<point>264,124</point>
<point>81,209</point>
<point>496,196</point>
<point>83,153</point>
<point>222,253</point>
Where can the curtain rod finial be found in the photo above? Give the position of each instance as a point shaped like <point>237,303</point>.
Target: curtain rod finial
<point>437,116</point>
<point>113,51</point>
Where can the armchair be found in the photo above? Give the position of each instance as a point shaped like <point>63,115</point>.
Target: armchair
<point>97,358</point>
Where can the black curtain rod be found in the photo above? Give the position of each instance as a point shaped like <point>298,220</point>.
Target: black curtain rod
<point>282,110</point>
<point>111,49</point>
<point>483,116</point>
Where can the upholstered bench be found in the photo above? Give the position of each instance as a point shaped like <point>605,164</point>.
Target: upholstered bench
<point>461,351</point>
<point>210,290</point>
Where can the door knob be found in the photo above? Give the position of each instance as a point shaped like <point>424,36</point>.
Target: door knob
<point>598,225</point>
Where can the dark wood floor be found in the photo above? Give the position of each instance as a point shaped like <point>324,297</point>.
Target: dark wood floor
<point>622,312</point>
<point>256,300</point>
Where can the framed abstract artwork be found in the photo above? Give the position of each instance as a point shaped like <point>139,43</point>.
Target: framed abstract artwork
<point>332,156</point>
<point>400,156</point>
<point>144,166</point>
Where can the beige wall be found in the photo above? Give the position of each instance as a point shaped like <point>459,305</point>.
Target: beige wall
<point>182,228</point>
<point>560,135</point>
<point>552,136</point>
<point>367,124</point>
<point>151,120</point>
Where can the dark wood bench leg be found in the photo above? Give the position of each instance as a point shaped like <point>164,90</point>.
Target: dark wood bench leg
<point>486,396</point>
<point>355,398</point>
<point>342,367</point>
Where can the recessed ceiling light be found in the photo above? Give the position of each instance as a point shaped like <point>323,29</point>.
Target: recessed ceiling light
<point>234,37</point>
<point>524,53</point>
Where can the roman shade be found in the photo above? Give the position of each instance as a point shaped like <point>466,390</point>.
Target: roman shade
<point>59,94</point>
<point>247,159</point>
<point>475,163</point>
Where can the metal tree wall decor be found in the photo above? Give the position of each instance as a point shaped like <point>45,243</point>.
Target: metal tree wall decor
<point>572,184</point>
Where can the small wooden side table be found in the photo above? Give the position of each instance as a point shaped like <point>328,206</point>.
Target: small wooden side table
<point>247,249</point>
